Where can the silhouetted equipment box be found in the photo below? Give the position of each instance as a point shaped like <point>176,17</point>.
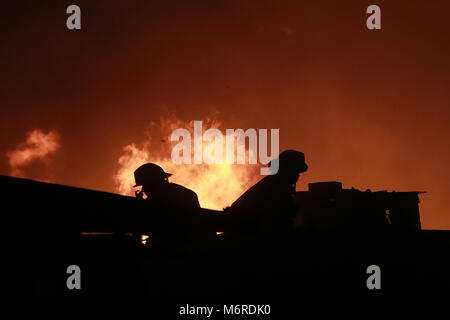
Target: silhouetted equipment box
<point>326,206</point>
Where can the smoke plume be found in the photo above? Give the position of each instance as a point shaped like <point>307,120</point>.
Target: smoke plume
<point>37,146</point>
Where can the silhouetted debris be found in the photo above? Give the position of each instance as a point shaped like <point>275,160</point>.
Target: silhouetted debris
<point>42,222</point>
<point>326,206</point>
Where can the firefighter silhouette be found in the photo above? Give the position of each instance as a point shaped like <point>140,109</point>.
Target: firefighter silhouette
<point>176,206</point>
<point>156,186</point>
<point>268,207</point>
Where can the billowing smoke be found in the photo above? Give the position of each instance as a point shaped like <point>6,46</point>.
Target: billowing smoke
<point>37,146</point>
<point>217,185</point>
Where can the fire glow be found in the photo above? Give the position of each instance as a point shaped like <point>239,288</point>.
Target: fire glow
<point>217,185</point>
<point>213,152</point>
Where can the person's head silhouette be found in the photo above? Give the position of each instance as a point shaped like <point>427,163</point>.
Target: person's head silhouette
<point>151,177</point>
<point>290,164</point>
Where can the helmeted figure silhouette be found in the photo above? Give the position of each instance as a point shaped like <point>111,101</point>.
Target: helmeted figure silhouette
<point>267,207</point>
<point>177,207</point>
<point>160,191</point>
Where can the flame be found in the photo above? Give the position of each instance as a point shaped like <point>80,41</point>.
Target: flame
<point>132,158</point>
<point>38,145</point>
<point>217,185</point>
<point>144,238</point>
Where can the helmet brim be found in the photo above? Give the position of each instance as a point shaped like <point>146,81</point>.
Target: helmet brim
<point>166,175</point>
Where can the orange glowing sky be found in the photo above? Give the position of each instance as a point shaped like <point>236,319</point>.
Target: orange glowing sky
<point>368,108</point>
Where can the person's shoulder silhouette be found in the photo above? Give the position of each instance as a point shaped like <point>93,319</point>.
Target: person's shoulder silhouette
<point>268,190</point>
<point>268,205</point>
<point>182,196</point>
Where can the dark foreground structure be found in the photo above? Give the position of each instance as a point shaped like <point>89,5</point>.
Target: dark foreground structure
<point>48,227</point>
